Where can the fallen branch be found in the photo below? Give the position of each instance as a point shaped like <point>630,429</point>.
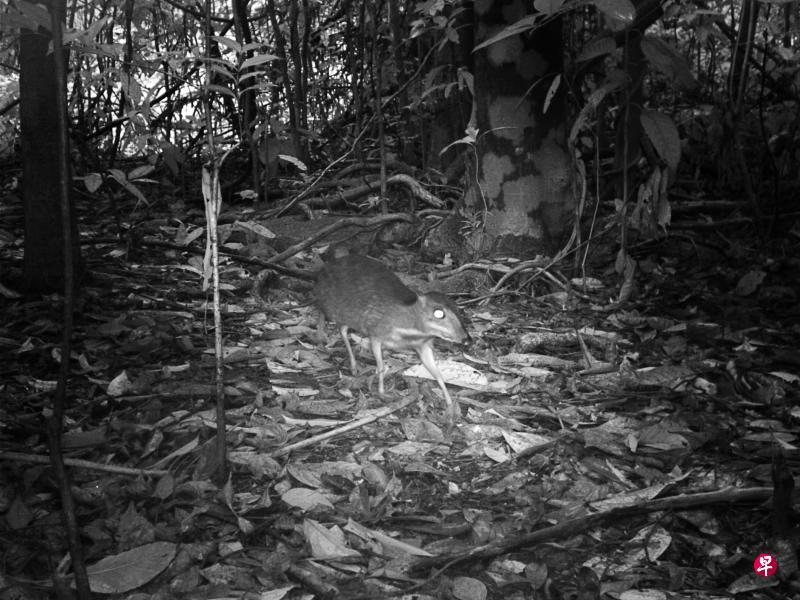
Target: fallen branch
<point>379,414</point>
<point>82,464</point>
<point>575,526</point>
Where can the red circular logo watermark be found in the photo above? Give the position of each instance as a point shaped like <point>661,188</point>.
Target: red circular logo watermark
<point>765,565</point>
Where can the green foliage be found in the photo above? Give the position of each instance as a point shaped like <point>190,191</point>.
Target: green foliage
<point>125,181</point>
<point>437,18</point>
<point>312,69</point>
<point>244,70</point>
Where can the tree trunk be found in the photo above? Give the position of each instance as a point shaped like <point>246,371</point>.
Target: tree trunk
<point>450,112</point>
<point>522,179</point>
<point>43,265</point>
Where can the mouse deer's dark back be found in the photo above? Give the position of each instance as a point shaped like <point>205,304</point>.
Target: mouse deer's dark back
<point>362,294</point>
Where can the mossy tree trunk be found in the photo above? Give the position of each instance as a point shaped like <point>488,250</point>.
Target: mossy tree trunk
<point>522,183</point>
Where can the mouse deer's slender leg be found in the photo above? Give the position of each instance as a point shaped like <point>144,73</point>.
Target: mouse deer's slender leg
<point>426,356</point>
<point>343,329</point>
<point>377,351</point>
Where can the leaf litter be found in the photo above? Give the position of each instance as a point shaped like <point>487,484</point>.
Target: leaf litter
<point>623,451</point>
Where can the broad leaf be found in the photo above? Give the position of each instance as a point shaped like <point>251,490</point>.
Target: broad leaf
<point>228,43</point>
<point>131,569</point>
<point>664,136</point>
<point>523,25</point>
<point>667,61</point>
<point>258,59</point>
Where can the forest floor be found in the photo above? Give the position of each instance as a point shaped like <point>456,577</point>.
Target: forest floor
<point>642,450</point>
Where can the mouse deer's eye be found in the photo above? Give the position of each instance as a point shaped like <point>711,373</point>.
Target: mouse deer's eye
<point>438,313</point>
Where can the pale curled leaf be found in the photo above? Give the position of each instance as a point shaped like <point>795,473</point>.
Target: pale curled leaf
<point>187,238</point>
<point>306,499</point>
<point>276,594</point>
<point>130,569</point>
<point>119,386</point>
<point>647,594</point>
<point>453,372</point>
<point>326,543</point>
<point>92,182</point>
<point>293,160</point>
<point>255,228</point>
<point>520,440</point>
<point>390,546</point>
<point>551,92</point>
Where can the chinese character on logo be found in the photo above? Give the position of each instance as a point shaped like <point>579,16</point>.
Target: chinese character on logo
<point>765,565</point>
